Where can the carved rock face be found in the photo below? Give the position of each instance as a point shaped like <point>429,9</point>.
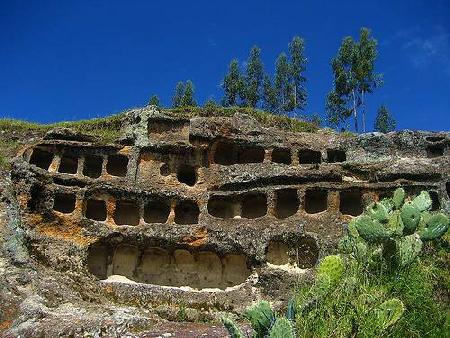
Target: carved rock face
<point>207,212</point>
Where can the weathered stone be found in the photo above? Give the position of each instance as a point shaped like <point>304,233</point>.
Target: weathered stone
<point>207,214</point>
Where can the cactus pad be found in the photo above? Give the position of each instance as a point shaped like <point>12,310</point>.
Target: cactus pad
<point>408,248</point>
<point>410,217</point>
<point>282,328</point>
<point>436,226</point>
<point>371,230</point>
<point>398,198</point>
<point>422,201</point>
<point>378,211</point>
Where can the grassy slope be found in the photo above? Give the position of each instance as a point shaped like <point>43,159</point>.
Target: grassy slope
<point>109,128</point>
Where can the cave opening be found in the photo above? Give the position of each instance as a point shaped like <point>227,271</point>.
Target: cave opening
<point>96,210</point>
<point>97,261</point>
<point>281,155</point>
<point>125,260</point>
<point>315,201</point>
<point>254,205</point>
<point>250,154</point>
<point>447,186</point>
<point>187,174</point>
<point>224,153</point>
<point>286,203</point>
<point>92,166</point>
<point>308,156</point>
<point>68,165</point>
<point>117,165</point>
<point>186,212</point>
<point>41,158</point>
<point>156,212</point>
<point>436,204</point>
<point>336,155</point>
<point>351,202</point>
<point>126,213</point>
<point>64,202</point>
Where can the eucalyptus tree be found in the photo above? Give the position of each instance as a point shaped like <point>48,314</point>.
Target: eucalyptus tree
<point>188,99</point>
<point>178,96</point>
<point>233,85</point>
<point>154,101</point>
<point>354,76</point>
<point>384,122</point>
<point>254,78</point>
<point>283,87</point>
<point>297,68</point>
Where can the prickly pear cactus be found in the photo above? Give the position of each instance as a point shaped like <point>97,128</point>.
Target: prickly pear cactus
<point>261,318</point>
<point>331,269</point>
<point>282,328</point>
<point>393,230</point>
<point>233,330</point>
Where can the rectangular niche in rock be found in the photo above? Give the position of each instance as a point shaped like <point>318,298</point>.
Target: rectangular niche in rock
<point>156,211</point>
<point>281,155</point>
<point>336,155</point>
<point>435,150</point>
<point>186,212</point>
<point>117,165</point>
<point>126,213</point>
<point>96,210</point>
<point>316,201</point>
<point>92,166</point>
<point>225,207</point>
<point>250,154</point>
<point>286,203</point>
<point>350,202</point>
<point>447,186</point>
<point>68,164</point>
<point>41,158</point>
<point>228,153</point>
<point>254,205</point>
<point>64,202</point>
<point>308,156</point>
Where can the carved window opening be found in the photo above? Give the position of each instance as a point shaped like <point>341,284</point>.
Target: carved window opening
<point>436,204</point>
<point>97,261</point>
<point>435,150</point>
<point>64,202</point>
<point>286,203</point>
<point>351,202</point>
<point>304,253</point>
<point>186,212</point>
<point>336,155</point>
<point>96,210</point>
<point>126,213</point>
<point>281,155</point>
<point>224,153</point>
<point>156,212</point>
<point>227,153</point>
<point>254,205</point>
<point>41,158</point>
<point>68,165</point>
<point>187,174</point>
<point>315,201</point>
<point>223,207</point>
<point>308,156</point>
<point>117,165</point>
<point>447,186</point>
<point>250,154</point>
<point>92,166</point>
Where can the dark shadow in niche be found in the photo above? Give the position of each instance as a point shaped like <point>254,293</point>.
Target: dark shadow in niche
<point>223,207</point>
<point>435,150</point>
<point>250,154</point>
<point>92,166</point>
<point>254,205</point>
<point>96,210</point>
<point>281,155</point>
<point>68,165</point>
<point>351,202</point>
<point>315,201</point>
<point>164,169</point>
<point>308,252</point>
<point>187,174</point>
<point>97,261</point>
<point>186,212</point>
<point>286,203</point>
<point>41,158</point>
<point>308,156</point>
<point>126,213</point>
<point>224,153</point>
<point>64,202</point>
<point>303,252</point>
<point>36,196</point>
<point>117,165</point>
<point>336,155</point>
<point>156,212</point>
<point>436,204</point>
<point>447,186</point>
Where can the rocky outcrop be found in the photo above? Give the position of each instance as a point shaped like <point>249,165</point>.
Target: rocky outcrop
<point>200,215</point>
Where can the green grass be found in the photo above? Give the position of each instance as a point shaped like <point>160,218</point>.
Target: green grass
<point>346,312</point>
<point>267,119</point>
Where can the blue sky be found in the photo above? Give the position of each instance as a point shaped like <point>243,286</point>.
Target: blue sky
<point>65,60</point>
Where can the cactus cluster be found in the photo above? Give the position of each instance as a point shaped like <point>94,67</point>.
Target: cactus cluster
<point>394,229</point>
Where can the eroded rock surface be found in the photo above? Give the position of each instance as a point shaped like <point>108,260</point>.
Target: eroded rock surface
<point>184,219</point>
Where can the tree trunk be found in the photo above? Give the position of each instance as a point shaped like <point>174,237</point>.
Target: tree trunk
<point>355,113</point>
<point>363,111</point>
